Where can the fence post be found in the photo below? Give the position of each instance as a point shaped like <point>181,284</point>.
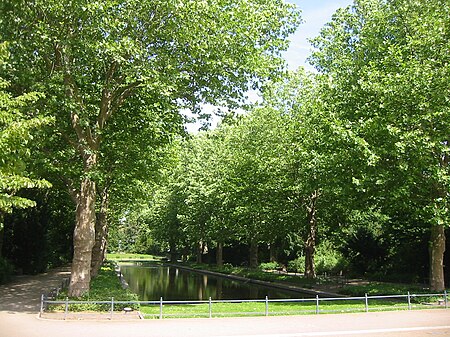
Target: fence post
<point>67,308</point>
<point>409,301</point>
<point>42,305</point>
<point>161,308</point>
<point>267,306</point>
<point>112,307</point>
<point>366,302</point>
<point>317,304</point>
<point>210,308</point>
<point>445,299</point>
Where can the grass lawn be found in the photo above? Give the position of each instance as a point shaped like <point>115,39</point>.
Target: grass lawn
<point>274,308</point>
<point>130,256</point>
<point>104,287</point>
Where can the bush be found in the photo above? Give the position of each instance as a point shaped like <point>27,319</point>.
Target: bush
<point>328,259</point>
<point>6,270</point>
<point>297,265</point>
<point>269,266</point>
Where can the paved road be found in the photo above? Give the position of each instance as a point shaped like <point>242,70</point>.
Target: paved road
<point>19,304</point>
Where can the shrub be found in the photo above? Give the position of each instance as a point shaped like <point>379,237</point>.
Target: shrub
<point>269,266</point>
<point>297,265</point>
<point>328,259</point>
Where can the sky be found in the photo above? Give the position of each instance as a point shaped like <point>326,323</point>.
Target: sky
<point>315,14</point>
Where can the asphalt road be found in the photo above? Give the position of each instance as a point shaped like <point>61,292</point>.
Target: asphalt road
<point>399,323</point>
<point>19,306</point>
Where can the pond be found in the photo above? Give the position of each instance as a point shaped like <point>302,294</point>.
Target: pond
<point>152,281</point>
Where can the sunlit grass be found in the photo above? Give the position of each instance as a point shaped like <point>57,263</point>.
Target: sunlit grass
<point>274,308</point>
<point>103,288</point>
<point>130,256</point>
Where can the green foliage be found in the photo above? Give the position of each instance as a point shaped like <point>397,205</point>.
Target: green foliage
<point>297,265</point>
<point>269,266</point>
<point>17,123</point>
<point>39,238</point>
<point>329,260</point>
<point>6,270</point>
<point>386,78</point>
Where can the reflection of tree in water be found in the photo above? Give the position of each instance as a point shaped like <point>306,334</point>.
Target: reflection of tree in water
<point>153,282</point>
<point>219,286</point>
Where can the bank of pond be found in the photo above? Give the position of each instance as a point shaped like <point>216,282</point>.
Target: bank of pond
<point>151,281</point>
<point>158,290</point>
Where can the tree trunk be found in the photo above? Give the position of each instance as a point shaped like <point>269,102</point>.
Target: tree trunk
<point>83,239</point>
<point>310,244</point>
<point>2,233</point>
<point>273,252</point>
<point>253,253</point>
<point>219,254</point>
<point>201,249</point>
<point>437,250</point>
<point>172,252</point>
<point>101,234</point>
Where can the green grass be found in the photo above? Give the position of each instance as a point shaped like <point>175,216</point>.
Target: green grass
<point>130,256</point>
<point>382,288</point>
<point>104,287</point>
<point>274,308</point>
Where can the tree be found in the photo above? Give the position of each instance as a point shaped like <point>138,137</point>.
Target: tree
<point>89,58</point>
<point>17,123</point>
<point>132,163</point>
<point>387,69</point>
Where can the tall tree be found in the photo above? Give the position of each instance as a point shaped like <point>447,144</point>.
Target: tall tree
<point>387,67</point>
<point>89,58</point>
<point>17,125</point>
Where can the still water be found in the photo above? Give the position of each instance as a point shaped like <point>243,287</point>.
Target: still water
<point>151,281</point>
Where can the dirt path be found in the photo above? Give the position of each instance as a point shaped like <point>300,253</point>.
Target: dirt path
<point>24,293</point>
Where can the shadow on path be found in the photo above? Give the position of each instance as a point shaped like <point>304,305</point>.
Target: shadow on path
<point>23,295</point>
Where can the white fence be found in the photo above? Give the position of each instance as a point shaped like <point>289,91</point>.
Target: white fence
<point>263,307</point>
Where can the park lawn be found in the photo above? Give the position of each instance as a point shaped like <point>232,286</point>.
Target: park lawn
<point>274,308</point>
<point>132,256</point>
<point>104,287</point>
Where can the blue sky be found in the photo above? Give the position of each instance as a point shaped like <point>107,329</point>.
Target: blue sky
<point>315,14</point>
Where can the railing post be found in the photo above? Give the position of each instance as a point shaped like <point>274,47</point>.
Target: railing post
<point>366,302</point>
<point>317,304</point>
<point>161,308</point>
<point>112,307</point>
<point>445,299</point>
<point>409,301</point>
<point>267,306</point>
<point>210,308</point>
<point>42,305</point>
<point>67,308</point>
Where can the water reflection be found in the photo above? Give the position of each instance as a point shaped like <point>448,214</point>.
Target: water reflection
<point>151,281</point>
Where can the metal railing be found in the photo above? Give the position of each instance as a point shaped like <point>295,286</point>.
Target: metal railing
<point>260,307</point>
